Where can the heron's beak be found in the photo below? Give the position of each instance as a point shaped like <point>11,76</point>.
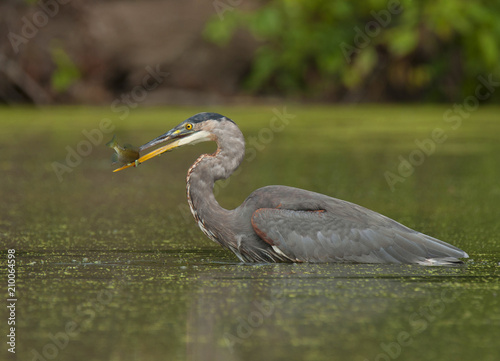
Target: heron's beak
<point>177,137</point>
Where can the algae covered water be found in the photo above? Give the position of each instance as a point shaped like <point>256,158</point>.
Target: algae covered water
<point>111,266</point>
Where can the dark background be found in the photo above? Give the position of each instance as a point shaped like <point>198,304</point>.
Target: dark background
<point>235,51</point>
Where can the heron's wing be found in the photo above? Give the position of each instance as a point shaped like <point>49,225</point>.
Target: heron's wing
<point>350,236</point>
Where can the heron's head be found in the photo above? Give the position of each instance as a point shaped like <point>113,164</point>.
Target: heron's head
<point>201,127</point>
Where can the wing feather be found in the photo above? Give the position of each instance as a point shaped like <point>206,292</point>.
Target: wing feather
<point>348,235</point>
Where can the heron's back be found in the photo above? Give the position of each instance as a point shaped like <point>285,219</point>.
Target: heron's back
<point>306,226</point>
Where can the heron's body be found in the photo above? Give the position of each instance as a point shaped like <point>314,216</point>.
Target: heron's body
<point>285,224</point>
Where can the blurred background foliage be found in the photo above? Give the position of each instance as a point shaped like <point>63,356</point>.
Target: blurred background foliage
<point>423,50</point>
<point>236,51</point>
<point>66,72</point>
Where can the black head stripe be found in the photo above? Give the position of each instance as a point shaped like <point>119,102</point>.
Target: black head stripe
<point>201,117</point>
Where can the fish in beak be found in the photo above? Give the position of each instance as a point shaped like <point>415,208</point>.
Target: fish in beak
<point>183,134</point>
<point>123,154</point>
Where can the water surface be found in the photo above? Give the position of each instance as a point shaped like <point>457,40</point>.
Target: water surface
<point>112,267</point>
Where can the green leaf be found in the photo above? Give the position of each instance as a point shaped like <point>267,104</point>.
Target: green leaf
<point>221,32</point>
<point>66,72</point>
<point>488,48</point>
<point>403,42</point>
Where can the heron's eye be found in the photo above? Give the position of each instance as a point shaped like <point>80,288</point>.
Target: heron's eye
<point>189,126</point>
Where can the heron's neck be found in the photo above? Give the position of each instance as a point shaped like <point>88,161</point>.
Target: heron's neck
<point>203,174</point>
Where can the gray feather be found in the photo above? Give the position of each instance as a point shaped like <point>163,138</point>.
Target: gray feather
<point>342,231</point>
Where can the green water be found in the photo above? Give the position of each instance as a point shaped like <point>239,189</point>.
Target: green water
<point>110,266</point>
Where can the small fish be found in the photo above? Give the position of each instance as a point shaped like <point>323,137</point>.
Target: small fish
<point>126,154</point>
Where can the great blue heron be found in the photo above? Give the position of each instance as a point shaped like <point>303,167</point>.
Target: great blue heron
<point>285,224</point>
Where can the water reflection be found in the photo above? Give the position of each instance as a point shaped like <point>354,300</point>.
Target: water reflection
<point>198,305</point>
<point>326,311</point>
